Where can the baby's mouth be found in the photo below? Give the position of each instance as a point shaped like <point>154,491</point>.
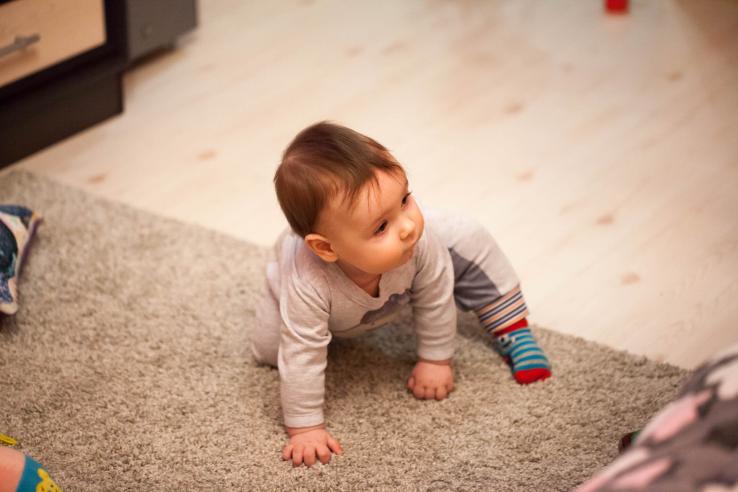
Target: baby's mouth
<point>410,252</point>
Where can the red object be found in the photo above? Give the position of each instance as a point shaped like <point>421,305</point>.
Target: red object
<point>616,6</point>
<point>515,326</point>
<point>527,376</point>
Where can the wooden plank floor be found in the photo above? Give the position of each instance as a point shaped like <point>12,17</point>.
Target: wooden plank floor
<point>601,151</point>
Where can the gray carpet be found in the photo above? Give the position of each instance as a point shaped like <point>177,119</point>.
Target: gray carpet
<point>127,368</point>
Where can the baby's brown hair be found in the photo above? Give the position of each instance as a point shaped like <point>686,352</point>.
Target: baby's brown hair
<point>323,161</point>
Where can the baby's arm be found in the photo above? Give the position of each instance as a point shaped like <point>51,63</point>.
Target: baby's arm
<point>302,361</point>
<point>434,313</point>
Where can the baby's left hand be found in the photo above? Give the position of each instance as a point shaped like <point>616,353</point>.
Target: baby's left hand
<point>431,379</point>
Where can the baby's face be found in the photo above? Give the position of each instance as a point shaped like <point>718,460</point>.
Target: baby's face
<point>380,232</point>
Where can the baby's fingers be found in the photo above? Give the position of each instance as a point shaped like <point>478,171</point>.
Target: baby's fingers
<point>287,452</point>
<point>411,383</point>
<point>334,445</point>
<point>441,393</point>
<point>309,455</point>
<point>429,393</point>
<point>297,455</point>
<point>324,454</point>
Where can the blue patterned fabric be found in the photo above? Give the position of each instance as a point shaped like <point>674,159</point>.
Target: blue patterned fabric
<point>8,260</point>
<point>17,225</point>
<point>35,478</point>
<point>522,350</point>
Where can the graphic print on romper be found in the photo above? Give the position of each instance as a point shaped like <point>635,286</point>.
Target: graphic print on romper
<point>379,317</point>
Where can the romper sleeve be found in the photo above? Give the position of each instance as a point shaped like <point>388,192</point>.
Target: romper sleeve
<point>303,351</point>
<point>432,299</point>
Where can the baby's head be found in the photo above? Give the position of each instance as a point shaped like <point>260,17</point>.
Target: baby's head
<point>348,197</point>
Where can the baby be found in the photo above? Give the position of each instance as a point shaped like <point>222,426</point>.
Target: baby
<point>358,250</point>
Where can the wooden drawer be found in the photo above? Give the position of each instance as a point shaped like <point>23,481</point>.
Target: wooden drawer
<point>51,30</point>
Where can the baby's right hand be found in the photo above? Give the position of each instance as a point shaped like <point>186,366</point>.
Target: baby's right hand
<point>308,442</point>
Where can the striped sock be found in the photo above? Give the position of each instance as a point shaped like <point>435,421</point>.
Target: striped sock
<point>505,321</point>
<point>520,350</point>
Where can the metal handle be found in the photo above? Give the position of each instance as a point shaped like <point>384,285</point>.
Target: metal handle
<point>19,43</point>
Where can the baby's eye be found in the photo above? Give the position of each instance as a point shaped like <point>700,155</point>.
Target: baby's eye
<point>382,228</point>
<point>406,198</point>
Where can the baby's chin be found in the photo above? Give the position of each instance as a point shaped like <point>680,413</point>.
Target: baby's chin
<point>399,261</point>
<point>381,270</point>
<point>406,257</point>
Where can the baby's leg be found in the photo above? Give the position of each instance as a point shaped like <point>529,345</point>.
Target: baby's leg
<point>265,335</point>
<point>486,283</point>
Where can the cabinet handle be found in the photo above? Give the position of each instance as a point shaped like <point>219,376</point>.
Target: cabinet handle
<point>19,43</point>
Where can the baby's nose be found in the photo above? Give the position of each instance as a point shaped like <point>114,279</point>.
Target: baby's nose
<point>407,229</point>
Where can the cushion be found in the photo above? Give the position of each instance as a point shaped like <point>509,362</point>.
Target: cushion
<point>17,225</point>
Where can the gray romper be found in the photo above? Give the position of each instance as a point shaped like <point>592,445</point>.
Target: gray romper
<point>307,301</point>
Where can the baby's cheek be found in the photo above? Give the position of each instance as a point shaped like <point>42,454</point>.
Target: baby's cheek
<point>420,223</point>
<point>383,258</point>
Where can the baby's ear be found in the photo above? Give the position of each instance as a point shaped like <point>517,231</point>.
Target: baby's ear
<point>321,246</point>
